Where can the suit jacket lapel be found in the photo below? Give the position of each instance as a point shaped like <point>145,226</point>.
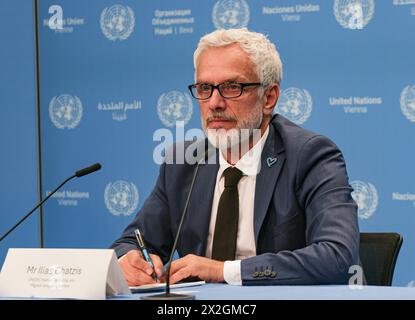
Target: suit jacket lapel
<point>272,160</point>
<point>201,203</point>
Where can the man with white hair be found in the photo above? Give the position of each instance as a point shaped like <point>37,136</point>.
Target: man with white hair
<point>272,210</point>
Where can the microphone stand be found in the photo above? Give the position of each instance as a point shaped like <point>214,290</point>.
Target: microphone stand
<point>167,295</point>
<point>78,174</point>
<point>34,209</point>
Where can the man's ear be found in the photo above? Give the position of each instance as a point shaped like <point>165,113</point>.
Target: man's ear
<point>271,95</point>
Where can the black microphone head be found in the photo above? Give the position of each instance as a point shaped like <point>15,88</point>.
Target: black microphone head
<point>88,170</point>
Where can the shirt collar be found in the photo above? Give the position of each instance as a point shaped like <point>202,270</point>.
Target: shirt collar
<point>250,162</point>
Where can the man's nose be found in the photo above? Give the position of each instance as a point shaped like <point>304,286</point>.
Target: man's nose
<point>216,101</point>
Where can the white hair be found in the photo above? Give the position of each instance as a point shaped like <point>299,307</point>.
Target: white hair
<point>260,50</point>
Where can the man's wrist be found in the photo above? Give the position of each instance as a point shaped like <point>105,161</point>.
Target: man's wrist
<point>232,272</point>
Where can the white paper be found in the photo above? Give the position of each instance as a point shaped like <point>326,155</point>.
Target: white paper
<point>161,286</point>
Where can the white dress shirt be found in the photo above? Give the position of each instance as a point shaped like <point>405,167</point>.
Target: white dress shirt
<point>249,164</point>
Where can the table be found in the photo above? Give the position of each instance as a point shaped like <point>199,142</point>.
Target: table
<point>212,291</point>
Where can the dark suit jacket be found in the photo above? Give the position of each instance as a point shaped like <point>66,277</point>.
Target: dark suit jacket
<point>305,220</point>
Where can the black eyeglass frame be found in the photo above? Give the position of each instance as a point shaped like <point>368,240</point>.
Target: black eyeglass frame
<point>213,87</point>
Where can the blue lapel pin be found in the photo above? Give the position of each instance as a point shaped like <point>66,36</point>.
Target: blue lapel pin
<point>271,161</point>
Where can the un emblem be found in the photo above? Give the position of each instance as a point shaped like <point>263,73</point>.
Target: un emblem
<point>117,22</point>
<point>229,14</point>
<point>174,106</point>
<point>408,102</point>
<point>354,14</point>
<point>295,104</point>
<point>65,111</point>
<point>366,198</point>
<point>121,198</point>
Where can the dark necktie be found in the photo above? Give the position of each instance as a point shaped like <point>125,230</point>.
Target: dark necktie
<point>226,227</point>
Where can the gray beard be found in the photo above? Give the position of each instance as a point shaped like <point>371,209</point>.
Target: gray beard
<point>236,140</point>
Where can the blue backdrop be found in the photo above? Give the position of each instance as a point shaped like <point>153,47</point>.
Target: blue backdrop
<point>113,73</point>
<point>18,131</point>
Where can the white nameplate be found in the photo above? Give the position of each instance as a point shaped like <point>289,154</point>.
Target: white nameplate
<point>62,273</point>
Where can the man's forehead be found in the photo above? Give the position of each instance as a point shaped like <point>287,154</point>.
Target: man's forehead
<point>227,63</point>
<point>222,78</point>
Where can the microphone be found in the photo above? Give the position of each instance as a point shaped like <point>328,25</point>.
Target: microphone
<point>88,170</point>
<point>79,173</point>
<point>175,296</point>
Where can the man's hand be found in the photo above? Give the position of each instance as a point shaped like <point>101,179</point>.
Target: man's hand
<point>195,266</point>
<point>136,270</point>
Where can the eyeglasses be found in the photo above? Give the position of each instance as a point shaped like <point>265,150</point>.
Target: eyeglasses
<point>203,91</point>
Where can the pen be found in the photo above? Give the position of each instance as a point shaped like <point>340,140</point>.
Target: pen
<point>144,252</point>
